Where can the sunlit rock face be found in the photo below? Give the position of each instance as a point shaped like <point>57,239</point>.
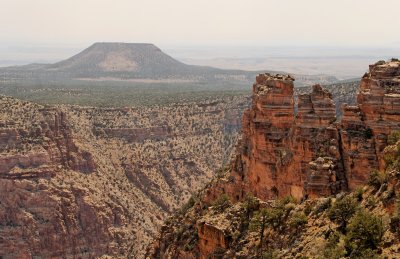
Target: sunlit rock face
<point>278,146</point>
<point>306,155</point>
<point>310,153</point>
<point>365,127</point>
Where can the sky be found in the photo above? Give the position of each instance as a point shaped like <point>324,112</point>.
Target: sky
<point>360,31</point>
<point>201,22</point>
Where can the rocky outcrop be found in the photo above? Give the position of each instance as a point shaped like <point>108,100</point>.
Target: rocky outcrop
<point>61,147</point>
<point>137,135</point>
<point>365,127</point>
<point>8,136</point>
<point>310,153</point>
<point>210,238</point>
<point>84,182</point>
<point>306,155</point>
<point>38,218</point>
<point>278,146</point>
<point>39,148</point>
<point>66,223</point>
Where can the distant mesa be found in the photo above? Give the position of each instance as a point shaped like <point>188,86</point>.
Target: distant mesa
<point>117,57</point>
<point>110,61</point>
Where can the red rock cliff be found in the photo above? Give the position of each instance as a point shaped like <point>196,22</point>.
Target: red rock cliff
<point>365,127</point>
<point>310,153</point>
<point>278,147</point>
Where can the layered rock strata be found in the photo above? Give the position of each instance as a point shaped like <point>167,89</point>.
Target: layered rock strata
<point>278,146</point>
<point>84,182</point>
<point>365,127</point>
<point>310,153</point>
<point>306,155</point>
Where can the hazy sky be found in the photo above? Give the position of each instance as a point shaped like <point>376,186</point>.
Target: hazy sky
<point>201,22</point>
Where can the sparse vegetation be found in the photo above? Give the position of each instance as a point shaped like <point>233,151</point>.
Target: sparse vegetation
<point>376,179</point>
<point>222,202</point>
<point>380,62</point>
<point>298,220</point>
<point>364,234</point>
<point>334,248</point>
<point>393,137</point>
<point>260,221</point>
<point>342,210</point>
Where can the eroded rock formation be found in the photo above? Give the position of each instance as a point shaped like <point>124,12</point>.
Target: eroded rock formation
<point>84,182</point>
<point>306,155</point>
<point>310,153</point>
<point>278,146</point>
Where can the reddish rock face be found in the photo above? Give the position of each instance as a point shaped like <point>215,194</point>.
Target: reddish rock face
<point>277,147</point>
<point>61,147</point>
<point>72,228</point>
<point>37,218</point>
<point>210,237</point>
<point>311,154</point>
<point>365,128</point>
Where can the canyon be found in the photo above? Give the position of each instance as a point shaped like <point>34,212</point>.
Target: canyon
<point>81,181</point>
<point>89,182</point>
<point>286,150</point>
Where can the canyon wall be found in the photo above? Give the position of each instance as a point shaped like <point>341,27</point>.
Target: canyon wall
<point>36,217</point>
<point>305,151</point>
<point>84,182</point>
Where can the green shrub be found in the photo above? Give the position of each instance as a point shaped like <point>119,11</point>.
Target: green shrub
<point>298,220</point>
<point>308,209</point>
<point>364,232</point>
<point>218,252</point>
<point>368,253</point>
<point>380,62</point>
<point>395,224</point>
<point>190,203</point>
<point>269,254</point>
<point>393,137</point>
<point>359,193</point>
<point>276,217</point>
<point>342,210</point>
<point>259,223</point>
<point>376,179</point>
<point>288,199</point>
<point>388,196</point>
<point>395,219</point>
<point>323,206</point>
<point>333,249</point>
<point>371,202</point>
<point>222,202</point>
<point>250,203</point>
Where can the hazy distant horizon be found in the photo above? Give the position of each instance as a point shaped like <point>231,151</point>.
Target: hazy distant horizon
<point>342,62</point>
<point>183,22</point>
<point>48,31</point>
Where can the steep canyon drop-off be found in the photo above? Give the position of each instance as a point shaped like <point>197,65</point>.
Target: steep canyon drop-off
<point>311,153</point>
<point>303,152</point>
